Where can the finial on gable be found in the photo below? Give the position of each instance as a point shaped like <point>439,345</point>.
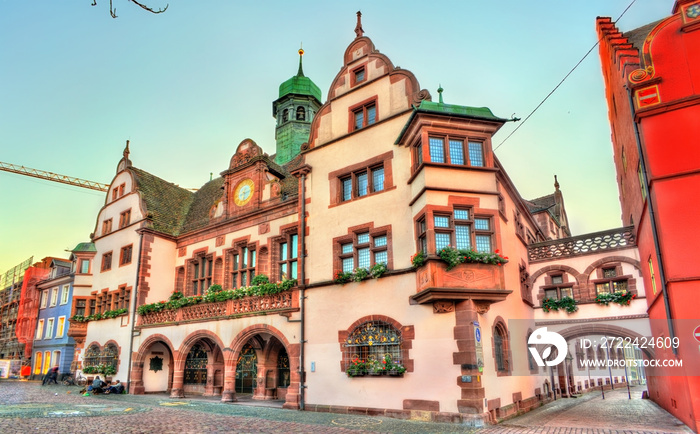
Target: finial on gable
<point>556,183</point>
<point>126,150</point>
<point>358,28</point>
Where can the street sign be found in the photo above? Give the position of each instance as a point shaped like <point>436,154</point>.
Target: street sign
<point>696,333</point>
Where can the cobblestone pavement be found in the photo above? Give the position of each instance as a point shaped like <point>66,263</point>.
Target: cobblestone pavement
<point>591,414</point>
<point>28,407</point>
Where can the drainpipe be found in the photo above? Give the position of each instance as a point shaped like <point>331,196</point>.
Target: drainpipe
<point>302,286</point>
<point>652,218</point>
<point>132,306</point>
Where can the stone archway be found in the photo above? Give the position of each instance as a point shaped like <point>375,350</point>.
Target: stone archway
<point>277,365</point>
<point>199,366</point>
<point>153,366</point>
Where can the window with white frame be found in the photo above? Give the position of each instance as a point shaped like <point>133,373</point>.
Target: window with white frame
<point>44,299</point>
<point>65,291</point>
<point>61,326</point>
<point>40,329</point>
<point>54,296</point>
<point>49,328</point>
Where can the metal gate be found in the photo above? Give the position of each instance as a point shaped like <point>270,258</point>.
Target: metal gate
<point>246,370</point>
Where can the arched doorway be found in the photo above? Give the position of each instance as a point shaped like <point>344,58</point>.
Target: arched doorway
<point>263,366</point>
<point>196,369</point>
<point>246,370</point>
<point>154,366</point>
<point>157,368</point>
<point>199,369</point>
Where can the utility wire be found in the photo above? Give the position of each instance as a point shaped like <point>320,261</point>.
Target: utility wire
<point>562,80</point>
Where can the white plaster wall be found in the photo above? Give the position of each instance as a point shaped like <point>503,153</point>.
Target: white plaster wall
<point>335,308</point>
<point>162,279</point>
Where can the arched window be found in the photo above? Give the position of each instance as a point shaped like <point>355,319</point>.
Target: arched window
<point>92,356</point>
<point>285,115</point>
<point>501,348</point>
<point>196,366</point>
<point>373,341</point>
<point>301,114</point>
<point>109,356</point>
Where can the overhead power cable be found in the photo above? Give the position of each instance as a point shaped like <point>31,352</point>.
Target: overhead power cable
<point>562,80</point>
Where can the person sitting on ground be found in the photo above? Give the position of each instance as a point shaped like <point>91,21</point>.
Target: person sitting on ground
<point>96,385</point>
<point>117,388</point>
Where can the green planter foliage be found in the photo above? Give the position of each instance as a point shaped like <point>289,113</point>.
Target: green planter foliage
<point>566,303</point>
<point>216,294</point>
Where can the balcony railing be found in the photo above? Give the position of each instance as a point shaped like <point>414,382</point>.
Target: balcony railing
<point>284,302</point>
<point>582,244</point>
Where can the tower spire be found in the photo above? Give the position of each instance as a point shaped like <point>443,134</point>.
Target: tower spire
<point>300,73</point>
<point>358,28</point>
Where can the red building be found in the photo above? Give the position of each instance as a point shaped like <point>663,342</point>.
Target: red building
<point>652,78</point>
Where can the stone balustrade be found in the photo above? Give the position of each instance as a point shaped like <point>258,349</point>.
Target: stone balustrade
<point>284,302</point>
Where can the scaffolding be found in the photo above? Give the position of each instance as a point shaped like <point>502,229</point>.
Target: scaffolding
<point>14,274</point>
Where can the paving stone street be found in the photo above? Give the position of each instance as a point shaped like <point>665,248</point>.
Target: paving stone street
<point>28,407</point>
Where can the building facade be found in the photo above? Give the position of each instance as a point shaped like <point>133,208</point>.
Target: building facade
<point>385,265</point>
<point>651,77</point>
<point>52,345</point>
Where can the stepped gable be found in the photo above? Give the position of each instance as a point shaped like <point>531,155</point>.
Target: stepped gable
<point>164,203</point>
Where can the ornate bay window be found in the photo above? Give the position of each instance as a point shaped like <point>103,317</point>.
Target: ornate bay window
<point>452,150</point>
<point>460,229</point>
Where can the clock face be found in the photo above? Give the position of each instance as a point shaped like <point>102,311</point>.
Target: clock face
<point>243,192</point>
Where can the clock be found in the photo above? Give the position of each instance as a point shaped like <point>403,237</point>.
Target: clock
<point>243,192</point>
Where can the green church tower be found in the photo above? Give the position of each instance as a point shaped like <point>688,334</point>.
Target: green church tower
<point>299,100</point>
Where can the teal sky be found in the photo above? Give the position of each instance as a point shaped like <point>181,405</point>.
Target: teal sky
<point>186,86</point>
